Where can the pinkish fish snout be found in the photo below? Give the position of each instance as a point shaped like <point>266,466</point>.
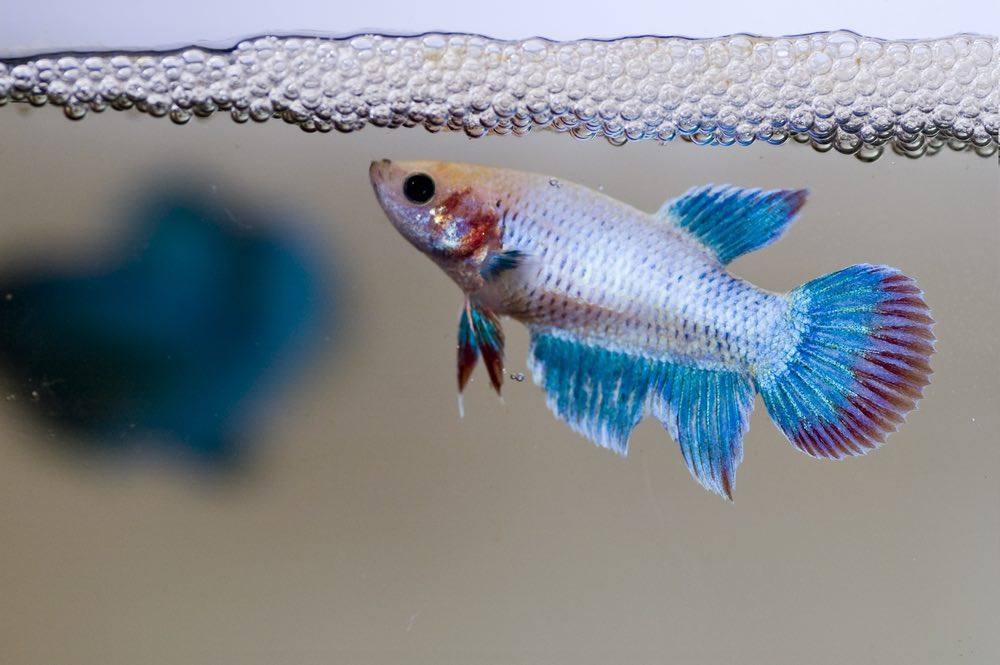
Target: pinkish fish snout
<point>378,171</point>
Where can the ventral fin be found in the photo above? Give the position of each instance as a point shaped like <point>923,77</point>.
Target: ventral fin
<point>479,333</point>
<point>497,263</point>
<point>603,394</point>
<point>732,221</point>
<point>468,352</point>
<point>707,412</point>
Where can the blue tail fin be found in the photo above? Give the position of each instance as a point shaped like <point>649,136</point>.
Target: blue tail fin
<point>860,365</point>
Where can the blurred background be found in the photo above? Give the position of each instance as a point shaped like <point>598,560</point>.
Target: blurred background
<point>172,329</point>
<point>229,430</point>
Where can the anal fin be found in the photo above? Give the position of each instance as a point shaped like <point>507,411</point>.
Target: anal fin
<point>599,393</point>
<point>707,412</point>
<point>603,394</point>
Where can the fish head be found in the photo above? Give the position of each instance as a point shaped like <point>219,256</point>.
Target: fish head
<point>448,211</point>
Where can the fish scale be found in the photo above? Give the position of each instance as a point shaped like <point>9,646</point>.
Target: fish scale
<point>709,318</point>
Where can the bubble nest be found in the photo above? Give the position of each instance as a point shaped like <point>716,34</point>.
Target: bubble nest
<point>832,90</point>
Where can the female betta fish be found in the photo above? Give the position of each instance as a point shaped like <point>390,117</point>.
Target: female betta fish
<point>633,314</point>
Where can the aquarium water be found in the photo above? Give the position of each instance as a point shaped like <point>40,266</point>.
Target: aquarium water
<point>228,429</point>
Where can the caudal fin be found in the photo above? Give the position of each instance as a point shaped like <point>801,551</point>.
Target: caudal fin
<point>860,364</point>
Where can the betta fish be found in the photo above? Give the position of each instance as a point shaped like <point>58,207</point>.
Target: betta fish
<point>178,334</point>
<point>634,314</point>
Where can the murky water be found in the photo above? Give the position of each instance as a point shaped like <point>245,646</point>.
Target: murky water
<point>264,463</point>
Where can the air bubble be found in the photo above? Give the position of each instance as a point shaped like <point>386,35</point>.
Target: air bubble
<point>74,111</point>
<point>835,90</point>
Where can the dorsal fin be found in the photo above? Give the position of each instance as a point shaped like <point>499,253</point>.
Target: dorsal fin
<point>732,221</point>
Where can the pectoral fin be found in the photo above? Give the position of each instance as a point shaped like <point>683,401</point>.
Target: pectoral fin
<point>497,263</point>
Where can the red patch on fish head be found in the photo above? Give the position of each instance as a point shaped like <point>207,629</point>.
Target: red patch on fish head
<point>466,224</point>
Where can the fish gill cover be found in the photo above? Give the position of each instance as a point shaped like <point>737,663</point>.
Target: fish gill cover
<point>834,90</point>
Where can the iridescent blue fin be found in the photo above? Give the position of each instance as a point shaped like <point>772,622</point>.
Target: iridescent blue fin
<point>732,221</point>
<point>468,352</point>
<point>479,332</point>
<point>603,394</point>
<point>707,412</point>
<point>496,263</point>
<point>860,363</point>
<point>599,393</point>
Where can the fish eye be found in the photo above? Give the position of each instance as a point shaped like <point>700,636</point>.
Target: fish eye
<point>418,188</point>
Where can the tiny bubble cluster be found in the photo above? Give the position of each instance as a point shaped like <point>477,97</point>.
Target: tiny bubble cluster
<point>837,91</point>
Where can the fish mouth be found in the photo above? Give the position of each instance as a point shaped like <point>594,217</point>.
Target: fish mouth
<point>378,171</point>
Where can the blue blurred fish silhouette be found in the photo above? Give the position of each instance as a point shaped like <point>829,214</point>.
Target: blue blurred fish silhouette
<point>172,341</point>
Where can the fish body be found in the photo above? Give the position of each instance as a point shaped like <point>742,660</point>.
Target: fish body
<point>634,313</point>
<point>603,271</point>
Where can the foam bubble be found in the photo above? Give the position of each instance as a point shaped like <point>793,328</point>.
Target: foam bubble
<point>835,91</point>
